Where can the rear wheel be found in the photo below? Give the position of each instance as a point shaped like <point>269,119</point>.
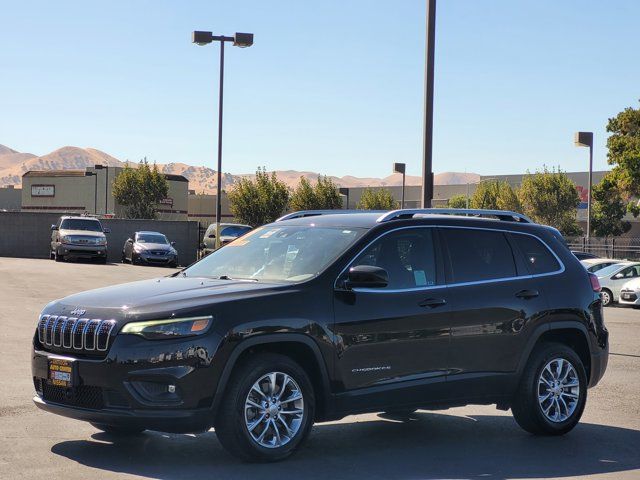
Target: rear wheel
<point>117,430</point>
<point>552,392</point>
<point>607,297</point>
<point>267,410</point>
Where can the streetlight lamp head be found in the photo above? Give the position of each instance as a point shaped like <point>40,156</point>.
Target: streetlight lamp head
<point>399,167</point>
<point>243,40</point>
<point>201,38</point>
<point>583,139</point>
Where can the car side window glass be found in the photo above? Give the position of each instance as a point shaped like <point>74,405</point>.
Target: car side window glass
<point>407,256</point>
<point>536,255</point>
<point>477,255</point>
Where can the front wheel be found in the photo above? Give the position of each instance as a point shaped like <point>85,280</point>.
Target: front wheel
<point>267,410</point>
<point>607,297</point>
<point>552,392</point>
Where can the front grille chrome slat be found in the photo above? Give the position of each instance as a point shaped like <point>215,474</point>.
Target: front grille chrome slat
<point>75,334</point>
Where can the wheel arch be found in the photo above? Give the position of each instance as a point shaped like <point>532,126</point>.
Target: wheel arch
<point>299,347</point>
<point>572,333</point>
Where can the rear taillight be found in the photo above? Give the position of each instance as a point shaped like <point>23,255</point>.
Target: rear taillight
<point>595,283</point>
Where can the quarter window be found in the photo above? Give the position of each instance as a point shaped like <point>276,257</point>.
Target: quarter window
<point>476,255</point>
<point>537,257</point>
<point>407,255</point>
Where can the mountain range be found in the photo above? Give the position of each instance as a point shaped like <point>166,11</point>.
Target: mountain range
<point>14,164</point>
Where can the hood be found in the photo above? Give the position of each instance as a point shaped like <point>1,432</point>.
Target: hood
<point>153,246</point>
<point>84,233</point>
<point>160,296</point>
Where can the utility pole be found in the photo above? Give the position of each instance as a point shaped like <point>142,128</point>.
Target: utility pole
<point>427,161</point>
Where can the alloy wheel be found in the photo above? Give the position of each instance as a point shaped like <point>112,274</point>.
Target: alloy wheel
<point>274,410</point>
<point>558,390</point>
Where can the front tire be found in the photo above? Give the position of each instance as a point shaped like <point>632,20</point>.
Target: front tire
<point>552,392</point>
<point>57,257</point>
<point>117,430</point>
<point>268,409</point>
<point>607,297</point>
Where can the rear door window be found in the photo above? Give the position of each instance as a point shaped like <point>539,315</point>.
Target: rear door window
<point>477,255</point>
<point>537,256</point>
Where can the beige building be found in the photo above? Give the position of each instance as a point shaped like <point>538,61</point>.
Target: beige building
<point>90,191</point>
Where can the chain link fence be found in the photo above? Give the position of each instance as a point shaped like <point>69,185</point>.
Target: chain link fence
<point>607,247</point>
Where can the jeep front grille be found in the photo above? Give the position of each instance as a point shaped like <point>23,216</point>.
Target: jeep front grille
<point>70,333</point>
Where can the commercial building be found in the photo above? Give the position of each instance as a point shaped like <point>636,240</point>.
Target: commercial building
<point>90,191</point>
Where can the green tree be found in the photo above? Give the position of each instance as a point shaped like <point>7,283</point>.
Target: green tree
<point>140,190</point>
<point>324,195</point>
<point>258,201</point>
<point>608,208</point>
<point>377,199</point>
<point>624,150</point>
<point>495,195</point>
<point>550,197</point>
<point>458,201</point>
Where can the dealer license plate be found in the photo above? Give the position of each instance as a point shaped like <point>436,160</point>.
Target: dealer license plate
<point>61,372</point>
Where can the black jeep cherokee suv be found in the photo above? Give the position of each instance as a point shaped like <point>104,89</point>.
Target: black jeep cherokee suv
<point>318,316</point>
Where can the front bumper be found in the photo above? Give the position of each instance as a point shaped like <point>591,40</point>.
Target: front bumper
<point>629,297</point>
<point>157,385</point>
<point>82,251</point>
<point>153,259</point>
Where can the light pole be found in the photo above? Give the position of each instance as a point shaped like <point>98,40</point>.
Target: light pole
<point>427,162</point>
<point>401,168</point>
<point>242,40</point>
<point>95,190</point>
<point>585,139</point>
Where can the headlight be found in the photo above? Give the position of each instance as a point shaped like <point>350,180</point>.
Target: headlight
<point>101,241</point>
<point>171,328</point>
<point>66,239</point>
<point>138,248</point>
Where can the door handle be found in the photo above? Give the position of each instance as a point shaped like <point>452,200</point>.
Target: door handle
<point>432,302</point>
<point>527,294</point>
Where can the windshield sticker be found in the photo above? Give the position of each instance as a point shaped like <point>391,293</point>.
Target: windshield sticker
<point>420,278</point>
<point>268,233</point>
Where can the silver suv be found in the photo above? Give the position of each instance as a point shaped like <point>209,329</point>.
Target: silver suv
<point>78,237</point>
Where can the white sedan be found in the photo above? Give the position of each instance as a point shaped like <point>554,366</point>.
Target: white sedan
<point>595,264</point>
<point>630,293</point>
<point>613,277</point>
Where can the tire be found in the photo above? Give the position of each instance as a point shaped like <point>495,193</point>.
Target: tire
<point>607,297</point>
<point>58,258</point>
<point>117,430</point>
<point>123,259</point>
<point>529,412</point>
<point>232,426</point>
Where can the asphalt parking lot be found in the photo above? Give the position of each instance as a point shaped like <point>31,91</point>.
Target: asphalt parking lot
<point>469,442</point>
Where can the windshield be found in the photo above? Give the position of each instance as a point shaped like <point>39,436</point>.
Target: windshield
<point>610,270</point>
<point>151,238</point>
<point>234,231</point>
<point>280,254</point>
<point>81,224</point>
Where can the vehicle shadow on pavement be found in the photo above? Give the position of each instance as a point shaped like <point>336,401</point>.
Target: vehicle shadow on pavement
<point>424,445</point>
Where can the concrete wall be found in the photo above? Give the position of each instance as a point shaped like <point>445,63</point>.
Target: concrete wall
<point>28,235</point>
<point>10,198</point>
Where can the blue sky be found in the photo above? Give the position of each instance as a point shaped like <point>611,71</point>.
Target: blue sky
<point>334,87</point>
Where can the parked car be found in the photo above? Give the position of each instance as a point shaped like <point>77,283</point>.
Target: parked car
<point>630,293</point>
<point>310,319</point>
<point>584,255</point>
<point>78,237</point>
<point>149,248</point>
<point>612,278</point>
<point>595,264</point>
<point>228,233</point>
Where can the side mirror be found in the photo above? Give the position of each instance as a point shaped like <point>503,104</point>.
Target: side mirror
<point>54,227</point>
<point>618,276</point>
<point>173,244</point>
<point>366,276</point>
<point>129,240</point>
<point>106,230</point>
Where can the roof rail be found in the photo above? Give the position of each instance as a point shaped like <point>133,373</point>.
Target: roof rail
<point>315,213</point>
<point>503,215</point>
